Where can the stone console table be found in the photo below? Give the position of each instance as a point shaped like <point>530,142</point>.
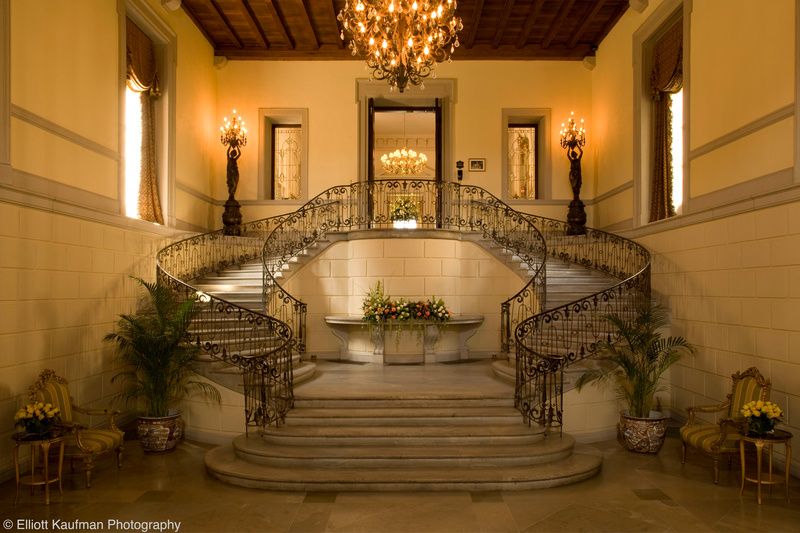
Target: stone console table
<point>403,342</point>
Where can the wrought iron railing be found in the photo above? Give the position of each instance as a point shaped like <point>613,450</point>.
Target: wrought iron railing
<point>369,205</point>
<point>549,341</point>
<point>543,341</point>
<point>260,345</point>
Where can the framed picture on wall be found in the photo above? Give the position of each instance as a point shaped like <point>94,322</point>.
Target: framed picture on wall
<point>477,165</point>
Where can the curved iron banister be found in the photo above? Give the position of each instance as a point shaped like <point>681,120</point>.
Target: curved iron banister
<point>367,205</point>
<point>549,341</point>
<point>260,345</point>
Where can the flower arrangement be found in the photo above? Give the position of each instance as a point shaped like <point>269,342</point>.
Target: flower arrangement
<point>403,208</point>
<point>378,307</point>
<point>37,417</point>
<point>761,416</point>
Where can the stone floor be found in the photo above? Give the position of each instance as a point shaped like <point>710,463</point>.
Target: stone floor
<point>632,493</point>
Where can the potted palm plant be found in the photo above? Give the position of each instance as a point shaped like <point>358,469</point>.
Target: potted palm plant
<point>633,364</point>
<point>154,345</point>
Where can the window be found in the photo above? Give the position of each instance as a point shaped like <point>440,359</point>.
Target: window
<point>526,160</point>
<point>141,90</point>
<point>286,164</point>
<point>665,85</point>
<point>522,161</point>
<point>283,154</point>
<point>147,118</point>
<point>676,150</point>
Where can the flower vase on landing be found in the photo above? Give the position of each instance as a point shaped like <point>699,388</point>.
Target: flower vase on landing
<point>405,224</point>
<point>761,425</point>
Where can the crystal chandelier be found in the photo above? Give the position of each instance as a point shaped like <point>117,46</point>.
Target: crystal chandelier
<point>402,40</point>
<point>403,162</point>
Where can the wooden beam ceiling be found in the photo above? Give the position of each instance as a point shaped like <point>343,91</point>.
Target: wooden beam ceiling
<point>493,29</point>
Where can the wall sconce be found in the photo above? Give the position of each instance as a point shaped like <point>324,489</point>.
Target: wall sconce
<point>460,170</point>
<point>573,138</point>
<point>233,134</point>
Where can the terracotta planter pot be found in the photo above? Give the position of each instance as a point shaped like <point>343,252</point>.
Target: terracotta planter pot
<point>642,435</point>
<point>160,434</point>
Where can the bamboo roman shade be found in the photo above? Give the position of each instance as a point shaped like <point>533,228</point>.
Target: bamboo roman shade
<point>665,78</point>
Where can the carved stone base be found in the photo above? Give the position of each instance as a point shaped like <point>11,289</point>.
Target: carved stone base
<point>576,218</point>
<point>232,218</point>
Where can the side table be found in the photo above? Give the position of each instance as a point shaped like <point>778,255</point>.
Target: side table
<point>778,436</point>
<point>40,475</point>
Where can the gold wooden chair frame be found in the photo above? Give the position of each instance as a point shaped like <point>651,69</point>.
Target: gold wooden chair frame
<point>722,439</point>
<point>82,443</point>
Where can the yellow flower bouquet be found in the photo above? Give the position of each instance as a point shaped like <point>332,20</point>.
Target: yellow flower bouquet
<point>761,416</point>
<point>37,418</point>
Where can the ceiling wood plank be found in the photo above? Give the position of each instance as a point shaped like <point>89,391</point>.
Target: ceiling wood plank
<point>588,19</point>
<point>556,25</point>
<point>252,22</point>
<point>621,9</point>
<point>272,12</point>
<point>469,42</point>
<point>226,24</point>
<point>299,22</point>
<point>530,20</point>
<point>331,12</point>
<point>479,51</point>
<point>501,26</point>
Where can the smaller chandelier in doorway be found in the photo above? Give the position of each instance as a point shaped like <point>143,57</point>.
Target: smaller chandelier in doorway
<point>402,40</point>
<point>403,162</point>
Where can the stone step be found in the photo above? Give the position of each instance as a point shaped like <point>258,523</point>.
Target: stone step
<point>255,450</point>
<point>400,402</point>
<point>481,435</point>
<point>223,464</point>
<point>404,417</point>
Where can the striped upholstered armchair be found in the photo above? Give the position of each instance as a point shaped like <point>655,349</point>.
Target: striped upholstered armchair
<point>722,439</point>
<point>86,444</point>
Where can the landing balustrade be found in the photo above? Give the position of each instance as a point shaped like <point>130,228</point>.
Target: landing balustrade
<point>543,342</point>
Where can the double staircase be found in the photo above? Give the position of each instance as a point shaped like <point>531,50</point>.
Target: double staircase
<point>253,337</point>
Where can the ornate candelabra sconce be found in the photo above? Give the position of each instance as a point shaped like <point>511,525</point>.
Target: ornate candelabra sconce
<point>233,134</point>
<point>573,138</point>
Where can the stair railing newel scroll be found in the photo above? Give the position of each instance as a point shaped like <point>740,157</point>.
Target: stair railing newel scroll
<point>365,205</point>
<point>225,330</point>
<point>543,342</point>
<point>548,342</point>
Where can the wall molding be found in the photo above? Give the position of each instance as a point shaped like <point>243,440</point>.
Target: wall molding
<point>60,131</point>
<point>5,82</point>
<point>752,188</point>
<point>197,194</point>
<point>713,211</point>
<point>58,198</point>
<point>608,194</point>
<point>743,131</point>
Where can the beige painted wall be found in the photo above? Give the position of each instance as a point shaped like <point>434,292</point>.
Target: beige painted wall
<point>328,90</point>
<point>66,260</point>
<point>63,281</point>
<point>729,268</point>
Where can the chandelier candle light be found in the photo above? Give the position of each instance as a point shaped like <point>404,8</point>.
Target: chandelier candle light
<point>401,40</point>
<point>573,138</point>
<point>233,134</point>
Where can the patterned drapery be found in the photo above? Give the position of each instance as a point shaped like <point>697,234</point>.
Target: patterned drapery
<point>665,79</point>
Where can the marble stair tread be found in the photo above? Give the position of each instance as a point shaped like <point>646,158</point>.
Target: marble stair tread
<point>260,451</point>
<point>224,464</point>
<point>420,412</point>
<point>391,431</point>
<point>399,401</point>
